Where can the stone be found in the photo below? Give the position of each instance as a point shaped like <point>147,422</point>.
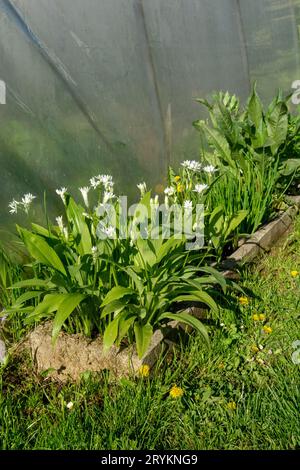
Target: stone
<point>75,354</point>
<point>2,351</point>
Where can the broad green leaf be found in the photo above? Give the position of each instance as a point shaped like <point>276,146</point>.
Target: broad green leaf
<point>67,306</point>
<point>140,212</point>
<point>125,323</point>
<point>135,278</point>
<point>218,141</point>
<point>198,296</point>
<point>277,125</point>
<point>146,251</point>
<point>39,230</point>
<point>216,274</point>
<point>111,333</point>
<point>19,309</point>
<point>40,250</point>
<point>49,304</point>
<point>290,166</point>
<point>216,220</point>
<point>235,221</point>
<point>143,335</point>
<point>256,116</point>
<point>28,296</point>
<point>170,245</point>
<point>188,319</point>
<point>204,102</point>
<point>255,109</point>
<point>31,283</point>
<point>224,122</point>
<point>80,228</point>
<point>116,293</point>
<point>116,306</point>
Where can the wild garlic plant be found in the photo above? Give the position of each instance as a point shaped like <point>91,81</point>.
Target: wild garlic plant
<point>74,273</point>
<point>93,280</point>
<point>250,145</point>
<point>194,184</point>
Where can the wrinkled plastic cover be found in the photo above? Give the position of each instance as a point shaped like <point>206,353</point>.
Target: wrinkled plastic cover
<point>109,86</point>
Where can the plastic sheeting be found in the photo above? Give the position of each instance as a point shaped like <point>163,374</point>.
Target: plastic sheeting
<point>108,86</point>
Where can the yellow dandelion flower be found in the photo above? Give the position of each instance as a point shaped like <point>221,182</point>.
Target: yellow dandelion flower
<point>255,317</point>
<point>180,188</point>
<point>294,273</point>
<point>177,179</point>
<point>144,370</point>
<point>267,329</point>
<point>244,300</point>
<point>176,392</point>
<point>221,365</point>
<point>231,405</point>
<point>262,317</point>
<point>254,348</point>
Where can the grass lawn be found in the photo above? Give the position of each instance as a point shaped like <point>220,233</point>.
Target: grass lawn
<point>242,394</point>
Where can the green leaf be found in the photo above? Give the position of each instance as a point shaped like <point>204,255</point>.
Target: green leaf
<point>40,250</point>
<point>80,228</point>
<point>204,102</point>
<point>277,125</point>
<point>124,324</point>
<point>256,117</point>
<point>218,141</point>
<point>143,335</point>
<point>136,279</point>
<point>27,296</point>
<point>49,304</point>
<point>216,274</point>
<point>170,245</point>
<point>31,283</point>
<point>140,212</point>
<point>290,166</point>
<point>146,251</point>
<point>188,319</point>
<point>39,230</point>
<point>216,220</point>
<point>255,110</point>
<point>224,122</point>
<point>111,333</point>
<point>116,293</point>
<point>198,296</point>
<point>235,221</point>
<point>116,306</point>
<point>67,306</point>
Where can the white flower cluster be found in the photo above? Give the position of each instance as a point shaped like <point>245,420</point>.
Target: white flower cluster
<point>85,192</point>
<point>105,180</point>
<point>188,205</point>
<point>169,191</point>
<point>101,180</point>
<point>62,228</point>
<point>94,254</point>
<point>143,188</point>
<point>62,193</point>
<point>209,169</point>
<point>192,165</point>
<point>24,204</point>
<point>199,188</point>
